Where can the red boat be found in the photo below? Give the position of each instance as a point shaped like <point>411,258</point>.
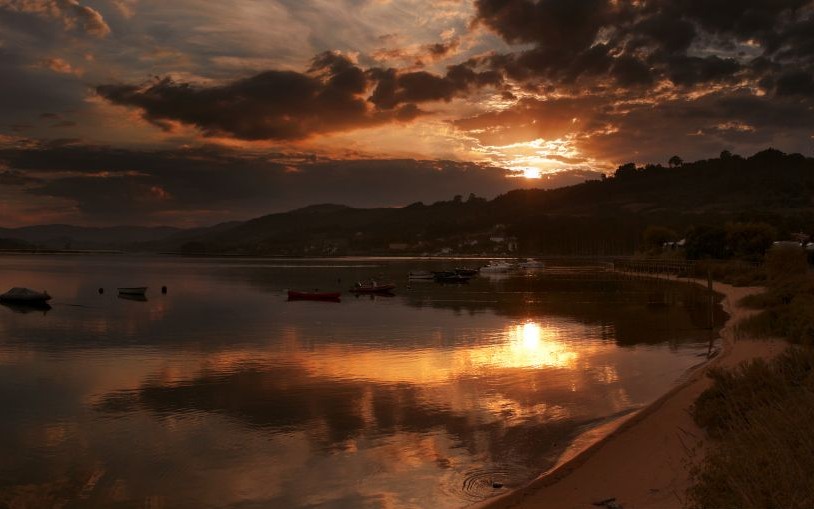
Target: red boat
<point>324,296</point>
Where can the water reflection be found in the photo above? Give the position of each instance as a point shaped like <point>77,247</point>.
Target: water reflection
<point>530,345</point>
<point>42,307</point>
<point>135,298</point>
<point>223,394</point>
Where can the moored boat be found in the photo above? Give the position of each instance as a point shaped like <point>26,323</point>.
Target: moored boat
<point>452,278</point>
<point>19,295</point>
<point>372,287</point>
<point>498,266</point>
<point>463,271</point>
<point>133,297</point>
<point>529,263</point>
<point>420,275</point>
<point>133,290</point>
<point>321,296</point>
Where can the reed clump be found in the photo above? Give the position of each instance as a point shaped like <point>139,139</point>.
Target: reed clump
<point>787,305</point>
<point>733,272</point>
<point>759,416</point>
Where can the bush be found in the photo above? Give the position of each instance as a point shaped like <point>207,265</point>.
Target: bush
<point>785,262</point>
<point>749,241</point>
<point>706,242</point>
<point>763,453</point>
<point>733,272</point>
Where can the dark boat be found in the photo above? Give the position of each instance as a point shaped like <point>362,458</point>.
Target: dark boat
<point>321,296</point>
<point>452,278</point>
<point>440,274</point>
<point>134,290</point>
<point>373,287</point>
<point>24,296</point>
<point>467,272</point>
<point>133,296</point>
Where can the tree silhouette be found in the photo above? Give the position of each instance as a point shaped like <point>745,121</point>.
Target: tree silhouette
<point>625,170</point>
<point>675,161</point>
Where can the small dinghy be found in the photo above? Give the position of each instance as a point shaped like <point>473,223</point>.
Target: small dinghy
<point>137,298</point>
<point>25,296</point>
<point>321,296</point>
<point>421,275</point>
<point>134,290</point>
<point>529,263</point>
<point>452,278</point>
<point>464,271</point>
<point>497,267</point>
<point>373,287</point>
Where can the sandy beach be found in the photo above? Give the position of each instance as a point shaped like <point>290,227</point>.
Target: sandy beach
<point>645,462</point>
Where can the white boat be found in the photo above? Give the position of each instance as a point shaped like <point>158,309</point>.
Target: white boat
<point>528,263</point>
<point>421,275</point>
<point>25,296</point>
<point>497,267</point>
<point>134,290</point>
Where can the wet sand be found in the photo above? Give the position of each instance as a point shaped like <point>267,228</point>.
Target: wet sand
<point>645,462</point>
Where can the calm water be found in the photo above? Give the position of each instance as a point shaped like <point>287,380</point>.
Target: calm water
<point>222,394</point>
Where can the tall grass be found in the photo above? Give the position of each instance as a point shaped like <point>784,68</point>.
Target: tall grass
<point>760,415</point>
<point>787,305</point>
<point>733,272</point>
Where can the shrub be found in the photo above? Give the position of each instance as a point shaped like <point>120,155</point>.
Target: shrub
<point>763,450</point>
<point>785,262</point>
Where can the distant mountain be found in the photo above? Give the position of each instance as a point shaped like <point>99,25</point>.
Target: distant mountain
<point>596,217</point>
<point>61,236</point>
<point>604,216</point>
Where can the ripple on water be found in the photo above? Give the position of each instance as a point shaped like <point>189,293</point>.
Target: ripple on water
<point>478,484</point>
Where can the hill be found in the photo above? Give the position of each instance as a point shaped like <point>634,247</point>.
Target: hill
<point>62,236</point>
<point>604,216</point>
<point>596,217</point>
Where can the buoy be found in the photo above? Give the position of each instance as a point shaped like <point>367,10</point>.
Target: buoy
<point>497,485</point>
<point>164,290</point>
<point>101,291</point>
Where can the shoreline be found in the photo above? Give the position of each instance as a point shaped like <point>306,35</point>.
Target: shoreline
<point>643,460</point>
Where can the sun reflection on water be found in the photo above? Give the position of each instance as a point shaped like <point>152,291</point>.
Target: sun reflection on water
<point>532,345</point>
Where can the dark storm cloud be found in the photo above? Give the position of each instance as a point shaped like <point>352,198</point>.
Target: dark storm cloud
<point>394,88</point>
<point>639,44</point>
<point>688,71</point>
<point>210,184</point>
<point>288,105</point>
<point>278,105</point>
<point>571,26</point>
<point>701,128</point>
<point>739,71</point>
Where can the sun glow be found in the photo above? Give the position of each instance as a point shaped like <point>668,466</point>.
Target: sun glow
<point>532,173</point>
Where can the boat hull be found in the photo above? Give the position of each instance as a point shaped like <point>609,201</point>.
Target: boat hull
<point>136,290</point>
<point>452,279</point>
<point>373,289</point>
<point>24,296</point>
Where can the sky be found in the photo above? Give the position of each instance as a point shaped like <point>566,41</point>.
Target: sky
<point>193,112</point>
